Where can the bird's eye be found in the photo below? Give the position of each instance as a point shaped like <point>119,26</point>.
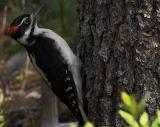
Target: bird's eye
<point>27,21</point>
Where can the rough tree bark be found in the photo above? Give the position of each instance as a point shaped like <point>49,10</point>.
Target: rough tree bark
<point>119,49</point>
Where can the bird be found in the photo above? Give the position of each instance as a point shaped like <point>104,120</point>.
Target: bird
<point>53,59</point>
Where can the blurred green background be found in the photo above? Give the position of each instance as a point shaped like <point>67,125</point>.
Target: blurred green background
<point>58,15</point>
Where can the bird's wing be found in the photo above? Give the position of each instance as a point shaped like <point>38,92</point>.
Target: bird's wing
<point>69,57</point>
<point>49,62</point>
<point>64,87</point>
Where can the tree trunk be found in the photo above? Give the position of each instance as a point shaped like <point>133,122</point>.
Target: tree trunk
<point>119,49</point>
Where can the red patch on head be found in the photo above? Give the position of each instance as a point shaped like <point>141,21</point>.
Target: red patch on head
<point>12,30</point>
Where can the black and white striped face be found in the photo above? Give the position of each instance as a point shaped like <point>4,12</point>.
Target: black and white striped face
<point>21,27</point>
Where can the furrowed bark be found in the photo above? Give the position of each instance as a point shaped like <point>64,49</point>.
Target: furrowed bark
<point>120,51</point>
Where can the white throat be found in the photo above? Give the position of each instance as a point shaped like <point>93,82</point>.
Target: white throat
<point>23,39</point>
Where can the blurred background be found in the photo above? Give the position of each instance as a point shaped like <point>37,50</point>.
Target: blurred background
<point>24,100</point>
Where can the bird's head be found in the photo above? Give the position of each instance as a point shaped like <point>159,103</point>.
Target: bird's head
<point>22,26</point>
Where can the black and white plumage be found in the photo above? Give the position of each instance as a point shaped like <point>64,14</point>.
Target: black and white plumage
<point>54,60</point>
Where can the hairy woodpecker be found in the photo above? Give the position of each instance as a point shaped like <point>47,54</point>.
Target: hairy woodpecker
<point>53,59</point>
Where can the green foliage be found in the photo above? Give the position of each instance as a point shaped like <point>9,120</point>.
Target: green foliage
<point>128,118</point>
<point>129,103</point>
<point>134,113</point>
<point>144,121</point>
<point>58,15</point>
<point>87,124</point>
<point>62,18</point>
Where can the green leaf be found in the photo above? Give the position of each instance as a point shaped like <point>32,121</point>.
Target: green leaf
<point>158,116</point>
<point>126,99</point>
<point>141,106</point>
<point>89,124</point>
<point>155,123</point>
<point>128,118</point>
<point>130,104</point>
<point>144,120</point>
<point>133,108</point>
